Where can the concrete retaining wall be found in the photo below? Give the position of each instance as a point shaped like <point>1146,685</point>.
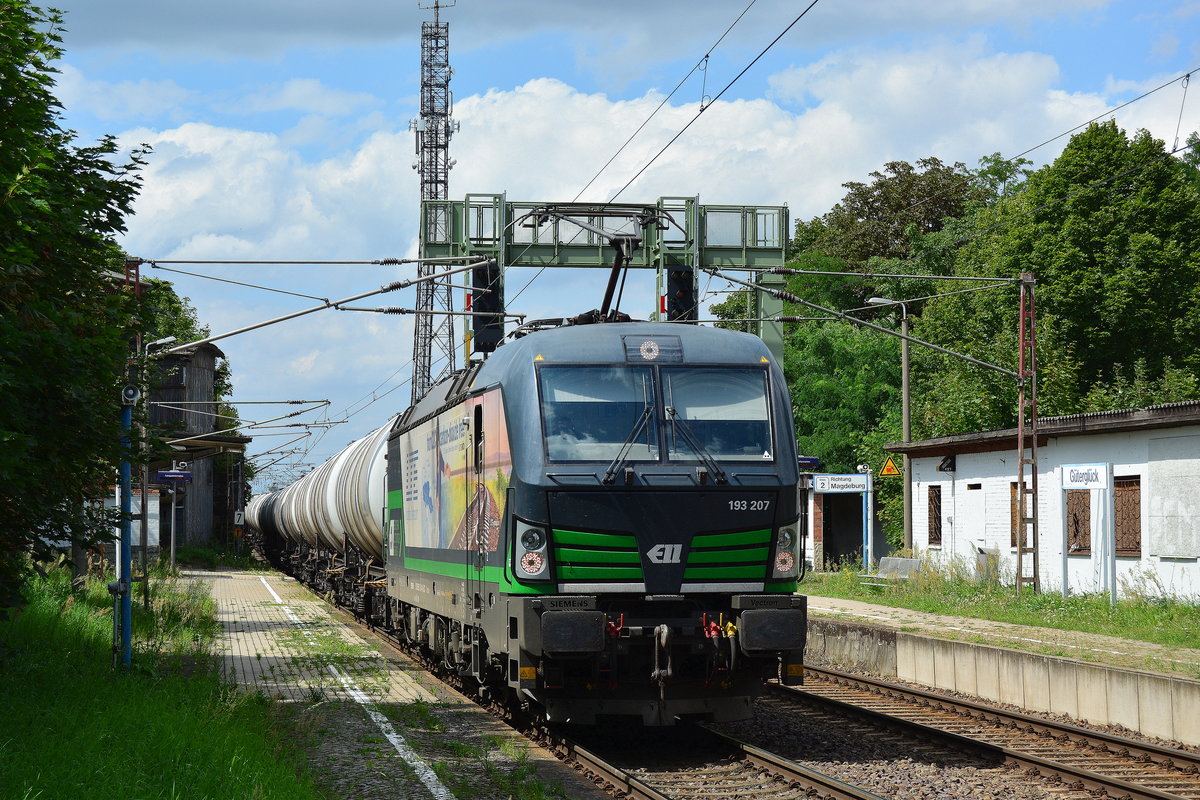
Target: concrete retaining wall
<point>1154,705</point>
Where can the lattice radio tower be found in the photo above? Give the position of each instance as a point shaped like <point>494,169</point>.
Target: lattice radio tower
<point>434,341</point>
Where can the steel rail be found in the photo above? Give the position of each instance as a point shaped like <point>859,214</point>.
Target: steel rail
<point>1071,774</point>
<point>825,785</point>
<point>1145,751</point>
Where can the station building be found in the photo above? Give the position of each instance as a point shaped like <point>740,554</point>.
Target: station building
<point>1145,467</point>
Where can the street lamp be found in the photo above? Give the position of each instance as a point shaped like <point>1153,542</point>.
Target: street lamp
<point>906,434</point>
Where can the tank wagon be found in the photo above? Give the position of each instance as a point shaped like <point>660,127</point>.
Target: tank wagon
<point>598,521</point>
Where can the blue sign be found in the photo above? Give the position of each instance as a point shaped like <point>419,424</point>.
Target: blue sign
<point>808,462</point>
<point>171,475</point>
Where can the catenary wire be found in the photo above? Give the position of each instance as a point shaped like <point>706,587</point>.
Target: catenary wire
<point>646,121</point>
<point>1013,159</point>
<point>703,107</point>
<point>239,283</point>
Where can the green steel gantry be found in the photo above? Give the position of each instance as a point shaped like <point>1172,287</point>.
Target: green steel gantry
<point>672,236</point>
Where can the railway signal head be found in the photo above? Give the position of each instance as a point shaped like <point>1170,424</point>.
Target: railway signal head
<point>681,294</point>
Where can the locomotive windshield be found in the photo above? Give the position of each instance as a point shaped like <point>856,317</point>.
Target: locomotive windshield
<point>724,408</point>
<point>591,412</point>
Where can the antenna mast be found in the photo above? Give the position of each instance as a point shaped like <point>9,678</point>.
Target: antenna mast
<point>433,131</point>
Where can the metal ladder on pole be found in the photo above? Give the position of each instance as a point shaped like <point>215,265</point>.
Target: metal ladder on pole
<point>1028,573</point>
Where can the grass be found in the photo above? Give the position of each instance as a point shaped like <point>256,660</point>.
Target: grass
<point>214,557</point>
<point>514,776</point>
<point>169,727</point>
<point>472,767</point>
<point>1142,614</point>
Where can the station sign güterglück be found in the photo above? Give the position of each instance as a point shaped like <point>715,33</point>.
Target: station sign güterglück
<point>1085,476</point>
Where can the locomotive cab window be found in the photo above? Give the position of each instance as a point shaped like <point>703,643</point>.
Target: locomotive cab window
<point>589,413</point>
<point>723,409</point>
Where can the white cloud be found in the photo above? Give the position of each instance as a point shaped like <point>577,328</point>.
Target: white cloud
<point>217,193</point>
<point>306,95</point>
<point>123,100</point>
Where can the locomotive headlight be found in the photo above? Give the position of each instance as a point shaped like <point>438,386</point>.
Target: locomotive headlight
<point>533,539</point>
<point>785,553</point>
<point>531,562</point>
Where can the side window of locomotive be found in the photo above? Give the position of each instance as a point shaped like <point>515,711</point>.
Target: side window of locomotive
<point>589,413</point>
<point>724,408</point>
<point>478,442</point>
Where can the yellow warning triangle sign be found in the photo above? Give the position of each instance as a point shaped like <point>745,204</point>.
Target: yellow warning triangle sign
<point>890,470</point>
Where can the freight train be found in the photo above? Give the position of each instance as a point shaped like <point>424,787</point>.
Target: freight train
<point>598,522</point>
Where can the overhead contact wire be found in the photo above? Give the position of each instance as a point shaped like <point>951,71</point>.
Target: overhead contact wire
<point>703,108</point>
<point>667,99</point>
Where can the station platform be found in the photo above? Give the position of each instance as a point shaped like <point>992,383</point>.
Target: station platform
<point>1150,689</point>
<point>368,710</point>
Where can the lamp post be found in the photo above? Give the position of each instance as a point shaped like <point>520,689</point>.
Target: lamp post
<point>905,413</point>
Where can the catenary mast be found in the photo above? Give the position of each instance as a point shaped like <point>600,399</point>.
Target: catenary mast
<point>434,341</point>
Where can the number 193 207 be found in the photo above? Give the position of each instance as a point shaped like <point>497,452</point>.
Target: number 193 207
<point>749,505</point>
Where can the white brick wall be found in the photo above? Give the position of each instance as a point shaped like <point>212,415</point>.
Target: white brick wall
<point>1166,460</point>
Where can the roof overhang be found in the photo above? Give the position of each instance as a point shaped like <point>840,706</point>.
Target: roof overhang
<point>1173,415</point>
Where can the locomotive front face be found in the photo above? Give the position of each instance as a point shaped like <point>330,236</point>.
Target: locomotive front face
<point>662,529</point>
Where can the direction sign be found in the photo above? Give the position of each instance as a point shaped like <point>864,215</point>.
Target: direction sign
<point>840,484</point>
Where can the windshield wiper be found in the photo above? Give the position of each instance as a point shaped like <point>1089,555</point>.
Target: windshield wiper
<point>640,425</point>
<point>689,436</point>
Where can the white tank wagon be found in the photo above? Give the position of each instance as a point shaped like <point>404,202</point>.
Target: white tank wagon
<point>254,510</point>
<point>343,499</point>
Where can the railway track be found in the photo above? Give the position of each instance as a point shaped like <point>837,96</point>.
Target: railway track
<point>1076,757</point>
<point>701,765</point>
<point>706,763</point>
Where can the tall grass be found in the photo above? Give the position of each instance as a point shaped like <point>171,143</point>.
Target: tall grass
<point>952,589</point>
<point>73,727</point>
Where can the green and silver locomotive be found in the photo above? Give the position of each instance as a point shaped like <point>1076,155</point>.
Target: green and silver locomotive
<point>599,521</point>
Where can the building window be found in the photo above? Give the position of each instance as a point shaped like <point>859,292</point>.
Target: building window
<point>1079,522</point>
<point>1128,503</point>
<point>935,516</point>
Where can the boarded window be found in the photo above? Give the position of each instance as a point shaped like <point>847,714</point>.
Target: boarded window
<point>1128,502</point>
<point>1014,514</point>
<point>1079,522</point>
<point>935,516</point>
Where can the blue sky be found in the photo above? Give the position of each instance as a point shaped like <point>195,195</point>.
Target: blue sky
<point>279,130</point>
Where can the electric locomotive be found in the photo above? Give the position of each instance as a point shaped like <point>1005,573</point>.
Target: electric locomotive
<point>600,521</point>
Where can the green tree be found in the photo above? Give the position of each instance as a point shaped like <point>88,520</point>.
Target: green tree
<point>1110,232</point>
<point>736,308</point>
<point>879,219</point>
<point>843,380</point>
<point>65,322</point>
<point>163,313</point>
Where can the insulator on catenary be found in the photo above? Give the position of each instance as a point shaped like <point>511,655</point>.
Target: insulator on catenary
<point>388,262</point>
